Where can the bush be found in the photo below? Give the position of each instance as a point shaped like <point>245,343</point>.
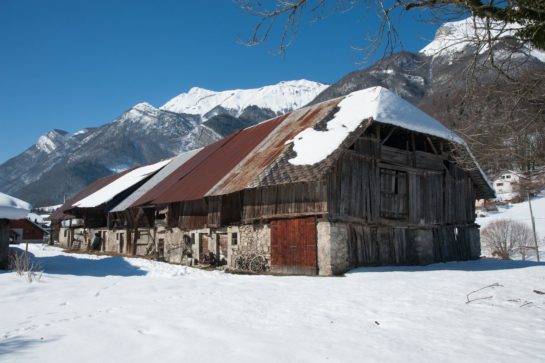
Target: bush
<point>505,238</point>
<point>24,266</point>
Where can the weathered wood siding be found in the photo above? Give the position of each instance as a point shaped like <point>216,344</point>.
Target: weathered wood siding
<point>384,245</point>
<point>286,200</point>
<point>392,190</point>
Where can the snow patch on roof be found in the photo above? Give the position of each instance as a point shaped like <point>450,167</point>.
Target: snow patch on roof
<point>13,208</point>
<point>108,192</point>
<point>378,103</point>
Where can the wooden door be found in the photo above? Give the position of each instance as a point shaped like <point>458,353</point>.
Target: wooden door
<point>203,248</point>
<point>294,247</point>
<point>223,242</point>
<point>121,243</point>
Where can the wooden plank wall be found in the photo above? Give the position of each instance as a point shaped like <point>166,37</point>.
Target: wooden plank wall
<point>376,246</point>
<point>284,200</point>
<point>442,194</point>
<point>352,188</point>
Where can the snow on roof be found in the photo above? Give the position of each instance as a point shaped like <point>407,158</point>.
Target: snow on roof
<point>13,208</point>
<point>377,103</point>
<point>109,191</point>
<point>156,179</point>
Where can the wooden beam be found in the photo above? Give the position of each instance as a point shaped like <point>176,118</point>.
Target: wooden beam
<point>388,136</point>
<point>432,146</point>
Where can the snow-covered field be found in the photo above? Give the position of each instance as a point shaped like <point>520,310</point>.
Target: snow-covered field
<point>520,212</point>
<point>114,309</point>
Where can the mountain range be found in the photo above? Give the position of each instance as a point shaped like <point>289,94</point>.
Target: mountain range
<point>62,163</point>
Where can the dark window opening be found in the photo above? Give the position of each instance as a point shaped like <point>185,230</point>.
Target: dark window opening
<point>394,201</point>
<point>234,239</point>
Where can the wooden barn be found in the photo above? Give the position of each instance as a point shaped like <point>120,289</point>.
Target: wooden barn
<point>24,230</point>
<point>362,180</point>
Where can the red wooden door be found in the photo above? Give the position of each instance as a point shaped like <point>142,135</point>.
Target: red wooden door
<point>293,246</point>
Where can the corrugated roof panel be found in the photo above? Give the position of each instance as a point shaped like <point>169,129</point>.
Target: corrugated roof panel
<point>170,168</point>
<point>175,177</point>
<point>219,160</point>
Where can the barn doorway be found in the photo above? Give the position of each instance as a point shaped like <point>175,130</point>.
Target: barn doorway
<point>204,251</point>
<point>223,241</point>
<point>294,247</point>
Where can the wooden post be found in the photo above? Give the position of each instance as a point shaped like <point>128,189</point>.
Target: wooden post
<point>533,227</point>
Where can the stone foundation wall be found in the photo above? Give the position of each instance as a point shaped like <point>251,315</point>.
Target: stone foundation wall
<point>252,239</point>
<point>333,256</point>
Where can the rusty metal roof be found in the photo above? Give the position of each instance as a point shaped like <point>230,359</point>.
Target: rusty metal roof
<point>201,173</point>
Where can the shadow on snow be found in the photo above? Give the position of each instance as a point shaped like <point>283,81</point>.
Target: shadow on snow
<point>484,264</point>
<point>18,344</point>
<point>107,266</point>
<point>72,265</point>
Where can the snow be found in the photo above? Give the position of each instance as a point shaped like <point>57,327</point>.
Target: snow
<point>106,309</point>
<point>282,97</point>
<point>520,212</point>
<point>45,144</point>
<point>13,208</point>
<point>50,208</point>
<point>36,218</point>
<point>378,103</point>
<point>454,37</point>
<point>143,114</point>
<point>119,185</point>
<point>176,162</point>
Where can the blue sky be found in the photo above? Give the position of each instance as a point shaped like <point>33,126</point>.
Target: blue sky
<point>77,63</point>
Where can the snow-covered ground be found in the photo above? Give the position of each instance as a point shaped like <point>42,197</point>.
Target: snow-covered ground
<point>520,212</point>
<point>114,309</point>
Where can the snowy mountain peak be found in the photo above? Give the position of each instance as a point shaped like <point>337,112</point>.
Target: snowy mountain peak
<point>454,37</point>
<point>200,91</point>
<point>279,98</point>
<point>143,106</point>
<point>51,141</point>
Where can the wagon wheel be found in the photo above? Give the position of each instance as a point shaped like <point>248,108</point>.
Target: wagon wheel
<point>258,264</point>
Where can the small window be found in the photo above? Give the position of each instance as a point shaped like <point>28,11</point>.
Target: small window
<point>499,184</point>
<point>508,176</point>
<point>65,233</point>
<point>192,238</point>
<point>234,239</point>
<point>393,194</point>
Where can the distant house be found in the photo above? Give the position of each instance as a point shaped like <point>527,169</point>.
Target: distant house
<point>507,184</point>
<point>24,230</point>
<point>11,208</point>
<point>362,180</point>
